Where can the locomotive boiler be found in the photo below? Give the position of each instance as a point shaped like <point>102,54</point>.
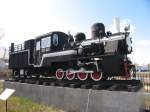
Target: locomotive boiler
<point>62,56</point>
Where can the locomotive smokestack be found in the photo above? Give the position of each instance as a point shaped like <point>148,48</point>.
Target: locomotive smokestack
<point>116,25</point>
<point>98,30</point>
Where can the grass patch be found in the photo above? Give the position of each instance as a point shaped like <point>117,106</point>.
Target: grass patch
<point>147,100</point>
<point>22,104</point>
<point>1,86</point>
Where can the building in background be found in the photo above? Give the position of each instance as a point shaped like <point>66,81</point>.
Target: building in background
<point>3,57</point>
<point>143,68</point>
<point>148,67</point>
<point>2,64</point>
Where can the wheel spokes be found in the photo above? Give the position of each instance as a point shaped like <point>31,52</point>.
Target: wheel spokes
<point>69,75</point>
<point>96,76</point>
<point>82,75</point>
<point>59,74</point>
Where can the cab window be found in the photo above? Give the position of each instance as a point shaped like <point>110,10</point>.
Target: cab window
<point>37,45</point>
<point>45,44</point>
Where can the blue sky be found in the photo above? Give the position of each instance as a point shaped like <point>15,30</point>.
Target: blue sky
<point>83,13</point>
<point>25,19</point>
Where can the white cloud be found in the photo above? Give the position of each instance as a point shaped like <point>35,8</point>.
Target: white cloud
<point>2,33</point>
<point>144,42</point>
<point>141,52</point>
<point>27,19</point>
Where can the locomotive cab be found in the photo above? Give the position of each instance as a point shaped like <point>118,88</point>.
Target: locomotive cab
<point>49,43</point>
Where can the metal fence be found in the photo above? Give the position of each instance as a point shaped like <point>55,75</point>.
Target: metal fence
<point>145,78</point>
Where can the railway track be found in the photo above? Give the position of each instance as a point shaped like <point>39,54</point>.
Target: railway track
<point>111,85</point>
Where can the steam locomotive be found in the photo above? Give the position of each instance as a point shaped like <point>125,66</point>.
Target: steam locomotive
<point>57,54</point>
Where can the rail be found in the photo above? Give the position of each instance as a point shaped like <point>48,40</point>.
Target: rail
<point>16,48</point>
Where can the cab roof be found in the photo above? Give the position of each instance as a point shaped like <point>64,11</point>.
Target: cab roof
<point>49,34</point>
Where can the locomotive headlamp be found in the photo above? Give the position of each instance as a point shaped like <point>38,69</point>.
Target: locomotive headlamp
<point>127,27</point>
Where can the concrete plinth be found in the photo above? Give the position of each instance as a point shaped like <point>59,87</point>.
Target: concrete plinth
<point>80,100</point>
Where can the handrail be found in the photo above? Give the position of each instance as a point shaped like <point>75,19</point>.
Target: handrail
<point>17,48</point>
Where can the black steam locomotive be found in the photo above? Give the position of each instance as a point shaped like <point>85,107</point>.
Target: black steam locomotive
<point>58,55</point>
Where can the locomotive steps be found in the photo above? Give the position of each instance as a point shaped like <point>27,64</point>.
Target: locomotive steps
<point>81,100</point>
